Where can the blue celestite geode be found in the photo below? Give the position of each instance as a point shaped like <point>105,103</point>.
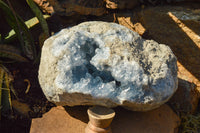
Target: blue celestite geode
<point>100,63</point>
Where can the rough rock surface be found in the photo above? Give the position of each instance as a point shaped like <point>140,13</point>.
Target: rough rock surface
<point>75,119</point>
<point>178,27</point>
<point>169,25</point>
<point>186,97</point>
<point>99,63</point>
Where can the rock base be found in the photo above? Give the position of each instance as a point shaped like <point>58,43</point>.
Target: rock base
<point>74,120</point>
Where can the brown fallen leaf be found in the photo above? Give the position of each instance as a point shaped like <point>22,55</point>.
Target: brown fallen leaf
<point>137,27</point>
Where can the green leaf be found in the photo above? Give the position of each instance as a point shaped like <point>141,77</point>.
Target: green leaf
<point>39,15</point>
<point>21,30</point>
<point>5,90</point>
<point>33,21</point>
<point>1,85</point>
<point>11,52</point>
<point>10,37</point>
<point>29,23</point>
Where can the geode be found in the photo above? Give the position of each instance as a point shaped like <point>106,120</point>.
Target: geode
<point>101,63</point>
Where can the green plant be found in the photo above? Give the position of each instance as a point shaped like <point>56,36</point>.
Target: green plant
<point>20,28</point>
<point>10,53</point>
<point>39,15</point>
<point>29,23</point>
<point>5,87</point>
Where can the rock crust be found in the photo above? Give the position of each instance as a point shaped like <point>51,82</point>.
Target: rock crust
<point>100,63</point>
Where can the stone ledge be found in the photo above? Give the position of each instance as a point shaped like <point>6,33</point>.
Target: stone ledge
<point>74,120</point>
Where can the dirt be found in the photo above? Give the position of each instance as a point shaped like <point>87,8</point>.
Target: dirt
<point>34,99</point>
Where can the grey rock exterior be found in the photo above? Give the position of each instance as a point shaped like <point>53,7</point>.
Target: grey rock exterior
<point>100,63</point>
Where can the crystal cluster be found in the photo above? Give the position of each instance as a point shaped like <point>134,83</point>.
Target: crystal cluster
<point>100,63</point>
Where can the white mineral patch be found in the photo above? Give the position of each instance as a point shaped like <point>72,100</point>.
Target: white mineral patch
<point>100,63</point>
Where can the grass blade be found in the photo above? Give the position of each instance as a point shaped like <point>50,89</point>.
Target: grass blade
<point>29,23</point>
<point>8,96</point>
<point>1,86</point>
<point>39,15</point>
<point>21,30</point>
<point>11,52</point>
<point>5,90</point>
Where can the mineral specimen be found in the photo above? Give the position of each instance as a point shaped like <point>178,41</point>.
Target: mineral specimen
<point>101,63</point>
